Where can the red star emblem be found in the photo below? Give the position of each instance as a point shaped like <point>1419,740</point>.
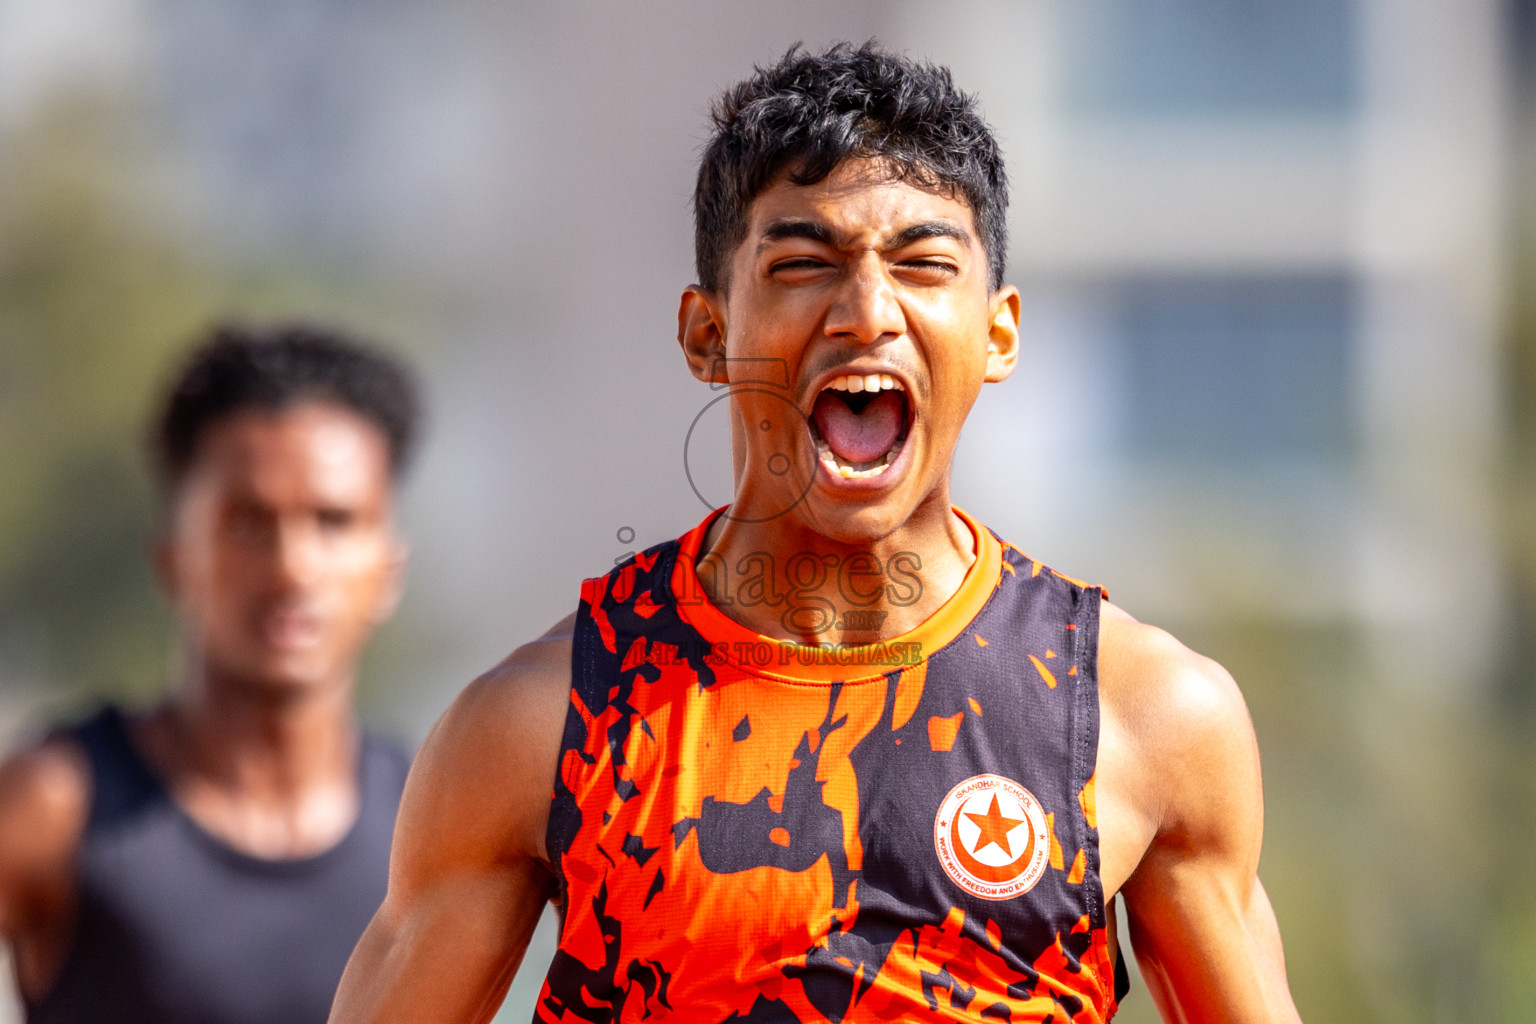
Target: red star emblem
<point>994,828</point>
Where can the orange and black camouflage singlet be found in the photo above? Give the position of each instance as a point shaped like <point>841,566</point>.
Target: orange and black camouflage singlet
<point>747,829</point>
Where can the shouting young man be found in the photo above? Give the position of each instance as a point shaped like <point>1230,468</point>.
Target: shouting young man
<point>213,861</point>
<point>838,753</point>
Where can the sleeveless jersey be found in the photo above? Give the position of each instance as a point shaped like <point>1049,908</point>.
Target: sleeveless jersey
<point>746,829</point>
<point>175,927</point>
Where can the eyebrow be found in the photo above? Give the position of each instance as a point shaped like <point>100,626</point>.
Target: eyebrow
<point>787,227</point>
<point>930,229</point>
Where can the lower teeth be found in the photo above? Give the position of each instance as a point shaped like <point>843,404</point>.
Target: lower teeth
<point>851,472</point>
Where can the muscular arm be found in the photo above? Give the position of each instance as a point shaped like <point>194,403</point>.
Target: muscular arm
<point>1184,769</point>
<point>468,873</point>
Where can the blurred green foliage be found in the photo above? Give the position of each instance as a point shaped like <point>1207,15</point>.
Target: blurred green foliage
<point>94,298</point>
<point>1511,943</point>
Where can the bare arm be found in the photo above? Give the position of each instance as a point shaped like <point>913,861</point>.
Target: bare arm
<point>44,800</point>
<point>1200,922</point>
<point>468,873</point>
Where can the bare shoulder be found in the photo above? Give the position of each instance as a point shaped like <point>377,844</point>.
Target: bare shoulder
<point>1170,696</point>
<point>1179,761</point>
<point>468,876</point>
<point>45,797</point>
<point>517,699</point>
<point>480,787</point>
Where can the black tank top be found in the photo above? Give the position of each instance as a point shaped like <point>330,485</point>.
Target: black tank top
<point>175,927</point>
<point>747,829</point>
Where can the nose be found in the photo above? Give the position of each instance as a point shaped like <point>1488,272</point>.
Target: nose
<point>865,309</point>
<point>296,552</point>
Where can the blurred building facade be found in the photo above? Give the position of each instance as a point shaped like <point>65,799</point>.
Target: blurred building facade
<point>1264,253</point>
<point>1269,238</point>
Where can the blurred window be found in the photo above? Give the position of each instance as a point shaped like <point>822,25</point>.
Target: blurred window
<point>1232,368</point>
<point>1184,58</point>
<point>1522,41</point>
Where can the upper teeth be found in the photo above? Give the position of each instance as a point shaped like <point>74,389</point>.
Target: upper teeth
<point>866,382</point>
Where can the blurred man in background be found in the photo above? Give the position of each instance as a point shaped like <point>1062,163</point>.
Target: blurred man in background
<point>215,859</point>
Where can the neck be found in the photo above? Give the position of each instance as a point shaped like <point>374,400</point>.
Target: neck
<point>252,738</point>
<point>785,579</point>
<point>272,773</point>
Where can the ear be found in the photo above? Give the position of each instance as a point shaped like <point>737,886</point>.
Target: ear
<point>1003,334</point>
<point>394,581</point>
<point>701,333</point>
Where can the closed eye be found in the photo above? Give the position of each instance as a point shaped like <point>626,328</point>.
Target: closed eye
<point>800,270</point>
<point>927,271</point>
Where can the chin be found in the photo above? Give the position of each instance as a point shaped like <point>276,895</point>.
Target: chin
<point>285,677</point>
<point>857,522</point>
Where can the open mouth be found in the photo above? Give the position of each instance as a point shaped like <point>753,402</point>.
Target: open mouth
<point>860,424</point>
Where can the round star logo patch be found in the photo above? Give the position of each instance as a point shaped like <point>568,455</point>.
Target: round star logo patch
<point>990,836</point>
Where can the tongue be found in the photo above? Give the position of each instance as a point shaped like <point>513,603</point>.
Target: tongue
<point>858,436</point>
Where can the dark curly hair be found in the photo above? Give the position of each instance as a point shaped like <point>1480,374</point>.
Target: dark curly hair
<point>238,367</point>
<point>810,112</point>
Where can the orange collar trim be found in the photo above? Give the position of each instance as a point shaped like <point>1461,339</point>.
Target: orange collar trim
<point>784,659</point>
